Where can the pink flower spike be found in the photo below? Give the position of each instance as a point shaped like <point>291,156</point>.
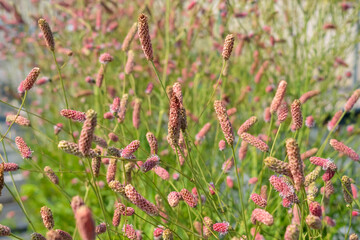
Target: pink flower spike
<point>25,151</point>
<point>342,148</point>
<point>262,216</point>
<point>221,228</point>
<point>258,200</point>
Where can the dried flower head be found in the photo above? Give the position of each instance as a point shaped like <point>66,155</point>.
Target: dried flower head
<point>46,31</point>
<point>311,177</point>
<point>313,222</point>
<point>278,166</point>
<point>4,231</point>
<point>1,177</point>
<point>37,236</point>
<point>87,132</point>
<point>144,36</point>
<point>346,184</point>
<point>297,119</point>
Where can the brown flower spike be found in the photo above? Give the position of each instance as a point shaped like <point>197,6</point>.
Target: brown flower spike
<point>224,121</point>
<point>295,163</point>
<point>46,30</point>
<point>144,37</point>
<point>87,132</point>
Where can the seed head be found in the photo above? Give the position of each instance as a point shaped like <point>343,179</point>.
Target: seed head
<point>346,184</point>
<point>144,36</point>
<point>46,31</point>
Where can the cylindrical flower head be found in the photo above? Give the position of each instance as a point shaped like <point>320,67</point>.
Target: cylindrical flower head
<point>100,229</point>
<point>188,198</point>
<point>279,96</point>
<point>352,100</point>
<point>150,163</point>
<point>315,209</point>
<point>24,150</point>
<point>144,36</point>
<point>4,231</point>
<point>228,46</point>
<point>140,201</point>
<point>346,185</point>
<point>173,199</point>
<point>116,186</point>
<point>51,175</point>
<point>297,119</point>
<point>308,154</point>
<point>1,177</point>
<point>221,228</point>
<point>73,115</point>
<point>130,63</point>
<point>324,163</point>
<point>202,133</point>
<point>262,216</point>
<point>174,121</point>
<point>282,112</point>
<point>311,177</point>
<point>258,200</point>
<point>254,141</point>
<point>100,76</point>
<point>292,232</point>
<point>87,132</point>
<point>342,148</point>
<point>129,38</point>
<point>47,217</point>
<point>284,188</point>
<point>100,141</point>
<point>313,222</point>
<point>247,125</point>
<point>136,113</point>
<point>263,192</point>
<point>207,228</point>
<point>306,96</point>
<point>19,120</point>
<point>278,166</point>
<point>46,31</point>
<point>36,236</point>
<point>85,223</point>
<point>129,231</point>
<point>111,171</point>
<point>130,149</point>
<point>332,123</point>
<point>29,81</point>
<point>123,108</point>
<point>116,217</point>
<point>224,121</point>
<point>73,149</point>
<point>152,143</point>
<point>295,163</point>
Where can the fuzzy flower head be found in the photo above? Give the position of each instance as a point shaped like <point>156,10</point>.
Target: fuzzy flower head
<point>105,58</point>
<point>24,150</point>
<point>221,228</point>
